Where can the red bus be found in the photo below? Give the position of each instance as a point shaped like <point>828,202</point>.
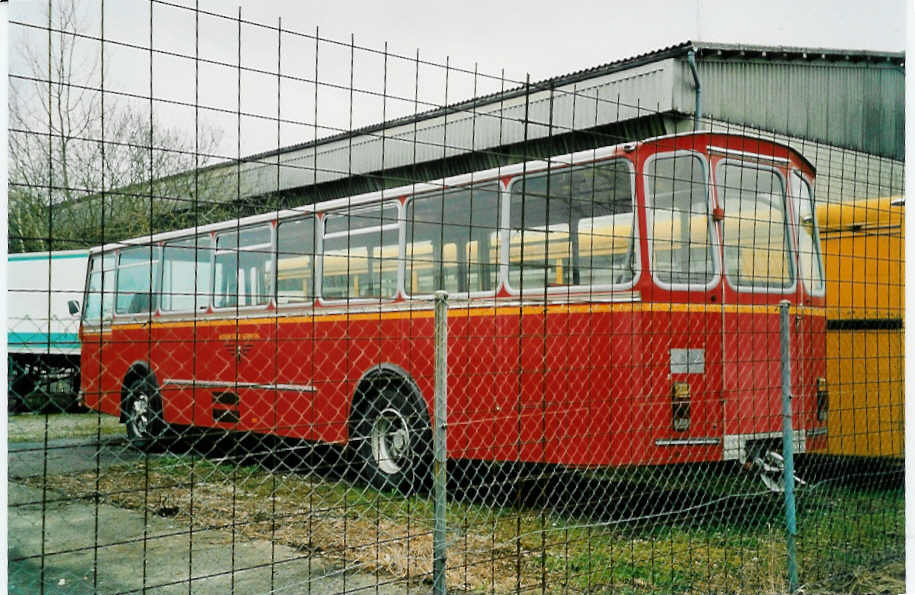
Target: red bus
<point>616,306</point>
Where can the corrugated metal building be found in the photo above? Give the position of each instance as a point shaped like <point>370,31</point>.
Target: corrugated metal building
<point>843,109</point>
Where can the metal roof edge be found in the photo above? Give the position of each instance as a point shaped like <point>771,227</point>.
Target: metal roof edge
<point>807,53</point>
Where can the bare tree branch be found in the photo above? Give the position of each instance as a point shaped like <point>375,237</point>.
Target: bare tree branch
<point>98,184</point>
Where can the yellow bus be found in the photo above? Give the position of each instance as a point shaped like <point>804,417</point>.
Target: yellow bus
<point>864,261</point>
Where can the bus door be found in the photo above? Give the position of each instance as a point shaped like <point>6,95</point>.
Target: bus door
<point>180,350</point>
<point>242,354</point>
<point>294,348</point>
<point>98,310</point>
<point>758,272</point>
<point>572,245</point>
<point>682,332</point>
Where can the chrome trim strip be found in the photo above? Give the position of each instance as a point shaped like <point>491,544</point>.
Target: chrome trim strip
<point>688,442</point>
<point>302,388</point>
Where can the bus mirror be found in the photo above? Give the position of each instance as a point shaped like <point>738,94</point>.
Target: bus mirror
<point>73,306</point>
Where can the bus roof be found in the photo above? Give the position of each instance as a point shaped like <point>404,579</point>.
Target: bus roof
<point>45,255</point>
<point>861,214</point>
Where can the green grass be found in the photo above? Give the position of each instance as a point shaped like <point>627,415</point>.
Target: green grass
<point>32,427</point>
<point>843,530</point>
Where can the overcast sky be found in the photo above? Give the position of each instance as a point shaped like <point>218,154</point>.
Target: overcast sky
<point>550,38</point>
<point>539,39</point>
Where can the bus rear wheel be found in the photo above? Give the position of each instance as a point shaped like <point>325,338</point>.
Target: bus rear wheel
<point>393,442</point>
<point>143,415</point>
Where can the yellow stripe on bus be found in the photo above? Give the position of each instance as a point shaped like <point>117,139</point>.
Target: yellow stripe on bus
<point>476,312</point>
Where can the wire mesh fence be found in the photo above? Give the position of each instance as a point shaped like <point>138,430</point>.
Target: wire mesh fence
<point>227,370</point>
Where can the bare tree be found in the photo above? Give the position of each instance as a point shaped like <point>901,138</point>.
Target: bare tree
<point>87,167</point>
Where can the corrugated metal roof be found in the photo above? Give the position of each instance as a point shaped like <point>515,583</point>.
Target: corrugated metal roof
<point>672,51</point>
<point>849,99</point>
<point>493,98</point>
<point>576,102</point>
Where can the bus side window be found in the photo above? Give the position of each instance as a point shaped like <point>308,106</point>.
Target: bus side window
<point>295,261</point>
<point>244,268</point>
<point>810,259</point>
<point>445,231</point>
<point>186,275</point>
<point>137,284</point>
<point>572,227</point>
<point>360,255</point>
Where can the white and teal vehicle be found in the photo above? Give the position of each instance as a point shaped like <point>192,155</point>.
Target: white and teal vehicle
<point>43,296</point>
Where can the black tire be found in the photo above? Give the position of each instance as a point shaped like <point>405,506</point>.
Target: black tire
<point>143,415</point>
<point>392,441</point>
<point>22,383</point>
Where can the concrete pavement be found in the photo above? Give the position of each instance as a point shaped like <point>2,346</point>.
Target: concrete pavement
<point>78,546</point>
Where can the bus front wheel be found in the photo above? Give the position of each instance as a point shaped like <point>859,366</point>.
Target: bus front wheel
<point>393,442</point>
<point>143,414</point>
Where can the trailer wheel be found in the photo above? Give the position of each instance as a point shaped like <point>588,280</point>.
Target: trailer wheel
<point>392,442</point>
<point>143,414</point>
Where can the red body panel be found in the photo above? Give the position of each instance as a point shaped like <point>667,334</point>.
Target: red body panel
<point>572,388</point>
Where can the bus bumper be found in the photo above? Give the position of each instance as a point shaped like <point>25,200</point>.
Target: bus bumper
<point>745,447</point>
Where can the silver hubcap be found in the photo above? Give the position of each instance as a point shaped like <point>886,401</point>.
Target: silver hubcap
<point>390,441</point>
<point>139,414</point>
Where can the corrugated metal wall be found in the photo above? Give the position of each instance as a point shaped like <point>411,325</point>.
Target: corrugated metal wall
<point>855,105</point>
<point>842,174</point>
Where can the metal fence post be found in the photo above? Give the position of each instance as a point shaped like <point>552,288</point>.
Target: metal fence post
<point>788,444</point>
<point>439,442</point>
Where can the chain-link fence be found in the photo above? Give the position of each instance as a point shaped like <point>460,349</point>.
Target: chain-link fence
<point>292,314</point>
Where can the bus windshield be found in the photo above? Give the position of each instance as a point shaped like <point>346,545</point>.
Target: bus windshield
<point>755,229</point>
<point>678,220</point>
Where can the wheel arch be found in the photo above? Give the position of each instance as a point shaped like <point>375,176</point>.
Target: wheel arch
<point>390,375</point>
<point>136,370</point>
